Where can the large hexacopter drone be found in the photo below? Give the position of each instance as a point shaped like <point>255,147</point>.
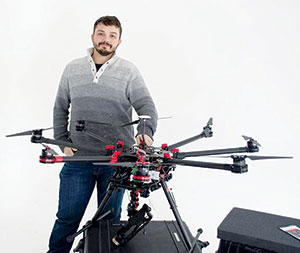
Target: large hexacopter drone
<point>141,170</point>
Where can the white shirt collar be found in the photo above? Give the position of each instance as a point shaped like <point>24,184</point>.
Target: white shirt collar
<point>98,73</point>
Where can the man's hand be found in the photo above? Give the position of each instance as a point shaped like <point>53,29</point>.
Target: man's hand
<point>69,151</point>
<point>148,140</point>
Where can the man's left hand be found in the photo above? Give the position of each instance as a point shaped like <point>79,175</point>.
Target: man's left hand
<point>148,140</point>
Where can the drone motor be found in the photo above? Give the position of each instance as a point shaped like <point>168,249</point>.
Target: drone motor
<point>239,164</point>
<point>140,172</point>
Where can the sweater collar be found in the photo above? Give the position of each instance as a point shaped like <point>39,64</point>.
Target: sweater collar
<point>91,50</point>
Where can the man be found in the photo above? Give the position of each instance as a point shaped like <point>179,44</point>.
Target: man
<point>100,87</point>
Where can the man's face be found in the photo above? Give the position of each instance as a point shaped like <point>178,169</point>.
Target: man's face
<point>106,39</point>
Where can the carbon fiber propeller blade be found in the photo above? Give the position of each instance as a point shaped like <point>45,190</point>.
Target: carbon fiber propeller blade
<point>68,144</point>
<point>167,117</point>
<point>21,133</point>
<point>29,132</point>
<point>251,139</point>
<point>207,129</point>
<point>127,124</point>
<point>210,122</point>
<point>254,157</point>
<point>137,121</point>
<point>131,123</point>
<point>94,122</point>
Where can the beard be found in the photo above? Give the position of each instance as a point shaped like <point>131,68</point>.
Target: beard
<point>104,52</point>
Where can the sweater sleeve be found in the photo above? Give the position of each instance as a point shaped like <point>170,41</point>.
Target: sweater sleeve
<point>61,109</point>
<point>142,102</point>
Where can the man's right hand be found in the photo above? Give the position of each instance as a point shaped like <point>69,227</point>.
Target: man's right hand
<point>69,151</point>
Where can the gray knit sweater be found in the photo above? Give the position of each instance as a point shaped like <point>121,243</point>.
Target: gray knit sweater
<point>106,96</point>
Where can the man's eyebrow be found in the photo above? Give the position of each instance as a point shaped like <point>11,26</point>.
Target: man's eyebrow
<point>99,30</point>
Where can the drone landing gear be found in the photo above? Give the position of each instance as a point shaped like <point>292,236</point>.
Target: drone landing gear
<point>186,238</point>
<point>138,219</point>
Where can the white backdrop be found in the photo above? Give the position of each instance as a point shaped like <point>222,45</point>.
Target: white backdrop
<point>235,61</point>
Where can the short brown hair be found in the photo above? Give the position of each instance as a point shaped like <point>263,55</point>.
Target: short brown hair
<point>109,20</point>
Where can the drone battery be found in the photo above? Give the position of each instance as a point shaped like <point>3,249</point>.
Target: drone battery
<point>157,236</point>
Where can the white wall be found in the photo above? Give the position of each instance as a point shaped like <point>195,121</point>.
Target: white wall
<point>235,61</point>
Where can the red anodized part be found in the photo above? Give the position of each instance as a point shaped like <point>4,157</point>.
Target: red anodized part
<point>142,160</point>
<point>167,155</point>
<point>164,146</point>
<point>114,157</point>
<point>175,150</point>
<point>120,144</point>
<point>109,147</point>
<point>55,159</point>
<point>141,178</point>
<point>46,160</point>
<point>58,159</point>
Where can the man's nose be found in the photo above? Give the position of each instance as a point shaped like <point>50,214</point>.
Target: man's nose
<point>106,37</point>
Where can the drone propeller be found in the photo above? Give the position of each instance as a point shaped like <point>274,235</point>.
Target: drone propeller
<point>82,128</point>
<point>210,122</point>
<point>141,117</point>
<point>207,129</point>
<point>251,139</point>
<point>66,144</point>
<point>108,124</point>
<point>29,132</point>
<point>254,157</point>
<point>167,117</point>
<point>92,121</point>
<point>131,123</point>
<point>127,124</point>
<point>268,157</point>
<point>37,138</point>
<point>144,117</point>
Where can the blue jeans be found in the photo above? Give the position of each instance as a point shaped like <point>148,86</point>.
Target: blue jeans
<point>77,182</point>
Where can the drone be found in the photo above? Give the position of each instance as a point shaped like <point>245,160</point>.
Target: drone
<point>142,169</point>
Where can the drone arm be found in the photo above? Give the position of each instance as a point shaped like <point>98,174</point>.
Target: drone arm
<point>68,159</point>
<point>241,167</point>
<point>183,155</point>
<point>207,132</point>
<point>93,159</point>
<point>97,137</point>
<point>209,165</point>
<point>65,144</point>
<point>186,141</point>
